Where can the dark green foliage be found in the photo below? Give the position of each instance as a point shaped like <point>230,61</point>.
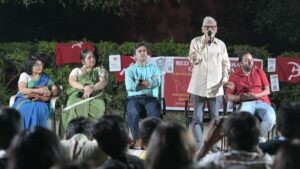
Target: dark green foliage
<point>237,50</point>
<point>169,48</point>
<point>118,7</point>
<point>260,53</point>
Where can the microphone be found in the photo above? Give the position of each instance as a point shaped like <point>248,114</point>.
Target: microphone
<point>209,33</point>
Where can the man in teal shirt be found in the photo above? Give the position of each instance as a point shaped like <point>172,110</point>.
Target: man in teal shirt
<point>142,81</point>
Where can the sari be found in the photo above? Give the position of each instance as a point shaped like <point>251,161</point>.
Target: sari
<point>93,107</point>
<point>33,113</point>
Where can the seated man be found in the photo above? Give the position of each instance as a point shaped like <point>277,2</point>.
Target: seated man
<point>249,86</point>
<point>242,132</point>
<point>142,81</point>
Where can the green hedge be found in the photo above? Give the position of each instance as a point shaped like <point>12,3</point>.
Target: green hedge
<point>14,54</point>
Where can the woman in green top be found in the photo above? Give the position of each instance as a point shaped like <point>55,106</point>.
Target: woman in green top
<point>85,94</point>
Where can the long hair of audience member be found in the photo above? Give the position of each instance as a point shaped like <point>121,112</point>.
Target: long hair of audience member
<point>170,146</point>
<point>35,148</point>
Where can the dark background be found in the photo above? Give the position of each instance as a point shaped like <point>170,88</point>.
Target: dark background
<point>273,24</point>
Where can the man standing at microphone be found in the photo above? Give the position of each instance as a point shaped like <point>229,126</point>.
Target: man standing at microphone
<point>209,58</point>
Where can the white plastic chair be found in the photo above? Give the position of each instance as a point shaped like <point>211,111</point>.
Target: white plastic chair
<point>51,120</point>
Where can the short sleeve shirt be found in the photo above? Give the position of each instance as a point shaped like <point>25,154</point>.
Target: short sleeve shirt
<point>254,82</point>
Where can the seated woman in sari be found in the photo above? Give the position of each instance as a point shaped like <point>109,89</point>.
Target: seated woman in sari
<point>85,95</point>
<point>35,91</point>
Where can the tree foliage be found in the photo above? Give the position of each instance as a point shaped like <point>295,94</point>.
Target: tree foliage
<point>281,18</point>
<point>270,23</point>
<point>269,18</point>
<point>119,7</point>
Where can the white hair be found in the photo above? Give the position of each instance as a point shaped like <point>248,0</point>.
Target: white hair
<point>209,19</point>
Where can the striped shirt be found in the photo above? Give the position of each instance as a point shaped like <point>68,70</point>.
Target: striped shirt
<point>236,159</point>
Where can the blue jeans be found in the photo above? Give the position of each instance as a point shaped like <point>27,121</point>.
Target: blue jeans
<point>214,105</point>
<point>263,111</point>
<point>137,105</point>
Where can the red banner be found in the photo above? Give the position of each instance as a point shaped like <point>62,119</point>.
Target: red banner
<point>125,62</point>
<point>176,84</point>
<point>288,69</point>
<point>70,53</point>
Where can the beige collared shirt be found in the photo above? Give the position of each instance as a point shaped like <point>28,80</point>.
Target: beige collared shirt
<point>211,67</point>
<point>80,148</point>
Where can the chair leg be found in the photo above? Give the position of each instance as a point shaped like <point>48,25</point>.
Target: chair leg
<point>186,112</point>
<point>54,123</point>
<point>222,142</point>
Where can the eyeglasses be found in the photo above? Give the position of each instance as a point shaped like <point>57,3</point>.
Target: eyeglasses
<point>212,27</point>
<point>38,64</point>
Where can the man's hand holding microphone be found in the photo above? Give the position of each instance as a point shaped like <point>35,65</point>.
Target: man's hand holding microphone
<point>208,38</point>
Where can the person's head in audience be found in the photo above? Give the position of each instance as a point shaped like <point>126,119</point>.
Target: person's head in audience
<point>146,128</point>
<point>73,165</point>
<point>111,134</point>
<point>10,125</point>
<point>242,131</point>
<point>288,155</point>
<point>35,148</point>
<point>170,146</point>
<point>80,125</point>
<point>288,123</point>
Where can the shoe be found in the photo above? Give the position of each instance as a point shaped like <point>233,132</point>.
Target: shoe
<point>215,149</point>
<point>132,145</point>
<point>261,139</point>
<point>136,144</point>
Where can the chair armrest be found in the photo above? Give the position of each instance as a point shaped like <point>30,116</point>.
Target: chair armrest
<point>12,100</point>
<point>52,116</point>
<point>53,103</point>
